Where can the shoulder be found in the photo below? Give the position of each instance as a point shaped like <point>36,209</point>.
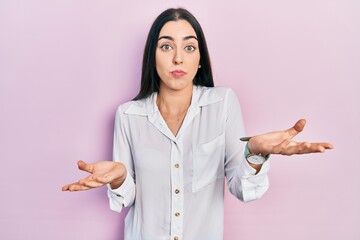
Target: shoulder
<point>219,91</point>
<point>209,95</point>
<point>122,108</point>
<point>141,107</point>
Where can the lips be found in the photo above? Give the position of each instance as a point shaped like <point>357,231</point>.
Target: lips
<point>178,73</point>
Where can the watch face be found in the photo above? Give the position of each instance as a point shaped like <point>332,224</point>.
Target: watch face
<point>256,159</point>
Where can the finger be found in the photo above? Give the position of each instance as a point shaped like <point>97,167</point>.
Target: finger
<point>65,188</point>
<point>87,167</point>
<point>297,128</point>
<point>318,147</point>
<point>74,187</point>
<point>90,183</point>
<point>327,145</point>
<point>322,146</point>
<point>312,148</point>
<point>78,187</point>
<point>305,147</point>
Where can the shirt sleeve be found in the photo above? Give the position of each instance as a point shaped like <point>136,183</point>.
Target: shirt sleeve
<point>241,178</point>
<point>123,196</point>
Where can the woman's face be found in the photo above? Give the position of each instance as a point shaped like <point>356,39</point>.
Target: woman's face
<point>177,55</point>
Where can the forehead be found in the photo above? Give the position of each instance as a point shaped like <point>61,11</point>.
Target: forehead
<point>180,28</point>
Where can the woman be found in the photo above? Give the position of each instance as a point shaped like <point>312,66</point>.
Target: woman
<point>177,141</point>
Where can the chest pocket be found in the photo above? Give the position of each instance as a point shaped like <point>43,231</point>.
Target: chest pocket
<point>208,162</point>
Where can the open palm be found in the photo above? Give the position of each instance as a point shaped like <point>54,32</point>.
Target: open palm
<point>101,173</point>
<point>281,142</point>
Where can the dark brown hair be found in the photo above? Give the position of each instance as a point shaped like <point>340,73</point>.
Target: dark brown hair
<point>150,80</point>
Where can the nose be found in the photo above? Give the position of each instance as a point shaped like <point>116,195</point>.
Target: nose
<point>178,58</point>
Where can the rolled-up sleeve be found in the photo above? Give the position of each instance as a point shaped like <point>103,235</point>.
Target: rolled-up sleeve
<point>124,195</point>
<point>242,181</point>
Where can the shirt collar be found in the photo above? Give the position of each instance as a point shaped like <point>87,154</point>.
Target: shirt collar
<point>202,96</point>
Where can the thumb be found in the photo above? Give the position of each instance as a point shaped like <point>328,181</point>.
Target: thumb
<point>297,128</point>
<point>87,167</point>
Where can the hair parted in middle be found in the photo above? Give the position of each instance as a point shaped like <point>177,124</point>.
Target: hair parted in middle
<point>150,80</point>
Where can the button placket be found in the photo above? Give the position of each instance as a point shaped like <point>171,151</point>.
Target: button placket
<point>177,185</point>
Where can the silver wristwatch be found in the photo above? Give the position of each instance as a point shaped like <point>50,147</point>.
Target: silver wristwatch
<point>253,157</point>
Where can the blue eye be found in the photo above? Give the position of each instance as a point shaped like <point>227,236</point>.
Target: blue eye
<point>166,47</point>
<point>190,48</point>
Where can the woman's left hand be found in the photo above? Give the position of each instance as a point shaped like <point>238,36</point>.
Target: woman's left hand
<point>281,142</point>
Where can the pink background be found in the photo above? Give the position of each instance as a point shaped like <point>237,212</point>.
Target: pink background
<point>66,65</point>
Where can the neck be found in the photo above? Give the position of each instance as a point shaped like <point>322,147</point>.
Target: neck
<point>174,101</point>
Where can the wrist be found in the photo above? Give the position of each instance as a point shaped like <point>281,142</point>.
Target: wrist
<point>254,158</point>
<point>116,183</point>
<point>253,149</point>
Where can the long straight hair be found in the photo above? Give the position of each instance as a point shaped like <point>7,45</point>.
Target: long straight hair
<point>150,80</point>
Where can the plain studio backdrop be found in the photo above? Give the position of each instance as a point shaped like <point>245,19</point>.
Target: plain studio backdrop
<point>66,65</point>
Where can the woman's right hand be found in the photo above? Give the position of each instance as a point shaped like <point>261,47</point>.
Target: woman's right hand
<point>101,173</point>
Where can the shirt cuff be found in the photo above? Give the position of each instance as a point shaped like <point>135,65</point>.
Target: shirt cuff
<point>254,185</point>
<point>125,189</point>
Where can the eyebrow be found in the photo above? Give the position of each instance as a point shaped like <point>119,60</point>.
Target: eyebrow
<point>172,39</point>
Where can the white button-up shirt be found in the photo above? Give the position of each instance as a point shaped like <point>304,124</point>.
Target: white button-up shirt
<point>175,184</point>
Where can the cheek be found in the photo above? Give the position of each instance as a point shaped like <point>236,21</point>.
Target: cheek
<point>161,60</point>
<point>157,59</point>
<point>195,61</point>
<point>161,66</point>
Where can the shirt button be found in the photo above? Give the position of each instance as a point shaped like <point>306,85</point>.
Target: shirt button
<point>177,214</point>
<point>176,238</point>
<point>177,165</point>
<point>177,191</point>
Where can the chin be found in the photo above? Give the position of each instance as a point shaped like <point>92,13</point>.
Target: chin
<point>177,85</point>
<point>181,87</point>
